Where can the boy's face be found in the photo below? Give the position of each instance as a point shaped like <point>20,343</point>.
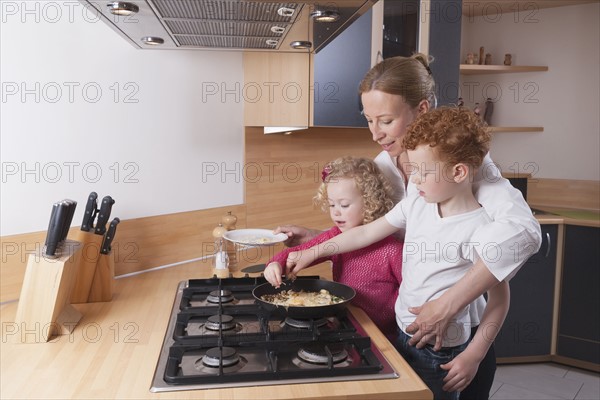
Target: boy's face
<point>346,205</point>
<point>433,177</point>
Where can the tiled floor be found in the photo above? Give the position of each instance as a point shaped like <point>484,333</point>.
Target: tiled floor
<point>544,381</point>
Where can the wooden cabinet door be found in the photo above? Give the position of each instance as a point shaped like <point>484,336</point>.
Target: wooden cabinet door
<point>276,89</point>
<point>579,326</point>
<point>527,330</point>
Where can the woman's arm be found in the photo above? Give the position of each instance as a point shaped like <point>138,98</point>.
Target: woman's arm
<point>463,368</point>
<point>514,234</point>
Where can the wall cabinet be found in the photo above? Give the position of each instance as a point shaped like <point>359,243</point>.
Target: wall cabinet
<point>527,330</point>
<point>337,71</point>
<point>579,326</point>
<point>276,89</point>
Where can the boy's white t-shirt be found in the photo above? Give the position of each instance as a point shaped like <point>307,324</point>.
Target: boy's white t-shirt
<point>514,229</point>
<point>437,254</point>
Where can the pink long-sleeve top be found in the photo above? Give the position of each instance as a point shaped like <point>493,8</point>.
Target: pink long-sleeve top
<point>375,273</point>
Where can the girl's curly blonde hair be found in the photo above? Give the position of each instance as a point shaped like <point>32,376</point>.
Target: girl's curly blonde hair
<point>376,190</point>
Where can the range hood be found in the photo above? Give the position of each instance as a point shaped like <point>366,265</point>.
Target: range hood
<point>228,24</point>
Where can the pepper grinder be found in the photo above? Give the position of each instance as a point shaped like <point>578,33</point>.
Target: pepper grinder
<point>221,259</point>
<point>228,222</point>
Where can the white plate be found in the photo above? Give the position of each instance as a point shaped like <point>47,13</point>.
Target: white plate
<point>254,237</point>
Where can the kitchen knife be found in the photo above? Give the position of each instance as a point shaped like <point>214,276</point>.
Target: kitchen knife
<point>110,235</point>
<point>90,212</point>
<point>103,215</point>
<point>58,219</point>
<point>71,205</point>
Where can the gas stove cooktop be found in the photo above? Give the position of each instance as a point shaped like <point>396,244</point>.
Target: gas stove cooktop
<point>219,337</point>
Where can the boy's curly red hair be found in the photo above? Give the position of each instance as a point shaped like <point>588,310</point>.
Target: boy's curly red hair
<point>456,134</point>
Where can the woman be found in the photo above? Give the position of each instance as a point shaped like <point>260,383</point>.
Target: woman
<point>393,93</point>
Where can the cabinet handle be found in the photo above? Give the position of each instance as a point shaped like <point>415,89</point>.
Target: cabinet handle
<point>549,244</point>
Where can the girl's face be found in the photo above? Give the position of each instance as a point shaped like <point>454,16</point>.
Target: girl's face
<point>388,116</point>
<point>346,205</point>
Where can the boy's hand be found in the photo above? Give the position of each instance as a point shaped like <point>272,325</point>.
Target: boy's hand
<point>461,372</point>
<point>298,260</point>
<point>273,274</point>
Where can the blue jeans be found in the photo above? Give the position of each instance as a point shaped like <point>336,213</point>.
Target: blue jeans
<point>426,363</point>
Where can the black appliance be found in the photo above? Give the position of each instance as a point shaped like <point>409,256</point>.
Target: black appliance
<point>218,337</point>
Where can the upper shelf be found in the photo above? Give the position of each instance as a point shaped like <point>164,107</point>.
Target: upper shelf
<point>475,8</point>
<point>497,129</point>
<point>476,69</point>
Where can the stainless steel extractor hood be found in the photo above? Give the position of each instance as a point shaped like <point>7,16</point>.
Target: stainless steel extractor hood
<point>229,24</point>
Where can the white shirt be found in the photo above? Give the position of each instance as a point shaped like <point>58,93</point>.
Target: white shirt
<point>514,231</point>
<point>437,253</point>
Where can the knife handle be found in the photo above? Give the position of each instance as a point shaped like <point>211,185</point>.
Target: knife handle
<point>90,212</point>
<point>103,215</point>
<point>56,228</point>
<point>51,222</point>
<point>71,206</point>
<point>109,237</point>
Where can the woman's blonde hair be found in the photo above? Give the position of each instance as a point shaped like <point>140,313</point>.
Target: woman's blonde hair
<point>375,188</point>
<point>409,77</point>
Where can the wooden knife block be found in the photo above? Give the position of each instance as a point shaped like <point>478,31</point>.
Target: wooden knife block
<point>86,270</point>
<point>104,277</point>
<point>44,308</point>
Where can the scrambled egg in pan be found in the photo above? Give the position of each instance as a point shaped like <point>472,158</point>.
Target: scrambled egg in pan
<point>290,298</point>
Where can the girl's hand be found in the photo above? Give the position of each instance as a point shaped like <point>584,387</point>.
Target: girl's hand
<point>273,274</point>
<point>461,372</point>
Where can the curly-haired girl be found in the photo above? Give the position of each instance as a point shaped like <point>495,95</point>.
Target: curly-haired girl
<point>355,192</point>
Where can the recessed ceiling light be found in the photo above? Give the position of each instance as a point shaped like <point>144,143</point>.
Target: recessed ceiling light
<point>325,16</point>
<point>301,44</point>
<point>122,8</point>
<point>153,40</point>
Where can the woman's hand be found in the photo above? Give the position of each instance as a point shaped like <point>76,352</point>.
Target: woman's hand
<point>461,371</point>
<point>432,319</point>
<point>296,234</point>
<point>273,274</point>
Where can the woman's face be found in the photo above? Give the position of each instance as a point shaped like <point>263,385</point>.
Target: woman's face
<point>388,116</point>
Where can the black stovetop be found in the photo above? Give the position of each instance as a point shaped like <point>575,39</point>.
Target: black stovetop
<point>217,341</point>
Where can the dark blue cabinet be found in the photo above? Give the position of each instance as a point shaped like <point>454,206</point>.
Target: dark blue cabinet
<point>579,326</point>
<point>527,330</point>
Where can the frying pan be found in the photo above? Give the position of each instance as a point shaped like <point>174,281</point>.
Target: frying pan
<point>308,285</point>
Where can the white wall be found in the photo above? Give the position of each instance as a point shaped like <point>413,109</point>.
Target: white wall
<point>147,150</point>
<point>567,40</point>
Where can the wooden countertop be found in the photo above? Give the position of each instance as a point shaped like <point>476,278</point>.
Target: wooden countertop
<point>568,216</point>
<point>113,351</point>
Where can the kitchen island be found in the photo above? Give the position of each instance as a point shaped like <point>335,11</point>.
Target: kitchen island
<point>113,351</point>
